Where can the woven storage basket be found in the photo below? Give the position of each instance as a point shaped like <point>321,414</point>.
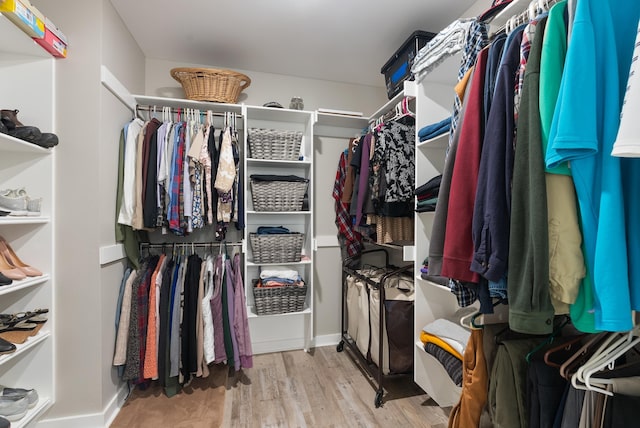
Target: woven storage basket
<point>274,144</point>
<point>276,248</point>
<point>211,84</point>
<point>279,300</point>
<point>278,195</point>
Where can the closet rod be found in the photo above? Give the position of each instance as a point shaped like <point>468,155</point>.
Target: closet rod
<point>158,110</point>
<point>525,15</point>
<point>190,244</point>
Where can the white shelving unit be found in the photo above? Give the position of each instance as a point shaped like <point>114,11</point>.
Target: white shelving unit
<point>432,300</point>
<point>27,84</point>
<point>280,332</point>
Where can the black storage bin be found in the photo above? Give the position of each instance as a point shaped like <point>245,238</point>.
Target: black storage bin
<point>398,68</point>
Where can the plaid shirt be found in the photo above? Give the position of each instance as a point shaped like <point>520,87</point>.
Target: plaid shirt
<point>349,238</point>
<point>475,41</point>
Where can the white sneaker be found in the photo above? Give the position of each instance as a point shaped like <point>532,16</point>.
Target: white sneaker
<point>13,407</point>
<point>31,394</point>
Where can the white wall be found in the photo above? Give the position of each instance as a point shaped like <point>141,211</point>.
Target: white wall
<point>267,87</point>
<point>88,120</point>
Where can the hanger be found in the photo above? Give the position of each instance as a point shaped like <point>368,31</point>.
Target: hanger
<point>567,368</point>
<point>549,339</point>
<point>605,360</point>
<point>566,346</point>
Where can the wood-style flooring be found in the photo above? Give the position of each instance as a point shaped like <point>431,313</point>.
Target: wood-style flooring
<point>323,388</point>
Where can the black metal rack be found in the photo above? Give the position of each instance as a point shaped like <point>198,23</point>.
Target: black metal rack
<point>374,371</point>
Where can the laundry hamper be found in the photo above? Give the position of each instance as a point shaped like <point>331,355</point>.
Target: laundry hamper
<point>278,193</point>
<point>274,144</point>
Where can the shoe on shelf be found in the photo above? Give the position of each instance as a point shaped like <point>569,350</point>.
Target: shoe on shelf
<point>13,407</point>
<point>31,394</point>
<point>31,134</point>
<point>12,259</point>
<point>14,203</point>
<point>4,280</point>
<point>6,347</point>
<point>10,271</point>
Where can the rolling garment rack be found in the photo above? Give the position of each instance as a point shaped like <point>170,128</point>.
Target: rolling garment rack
<point>374,371</point>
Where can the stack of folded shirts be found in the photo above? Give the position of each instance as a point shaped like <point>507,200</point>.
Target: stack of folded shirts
<point>431,131</point>
<point>427,195</point>
<point>279,277</point>
<point>446,341</point>
<point>445,44</point>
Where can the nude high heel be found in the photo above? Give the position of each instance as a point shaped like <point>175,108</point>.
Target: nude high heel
<point>10,271</point>
<point>12,259</point>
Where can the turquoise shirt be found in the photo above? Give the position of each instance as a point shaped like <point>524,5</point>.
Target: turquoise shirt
<point>583,131</point>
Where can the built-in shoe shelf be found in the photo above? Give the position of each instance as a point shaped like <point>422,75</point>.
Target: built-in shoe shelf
<point>12,144</point>
<point>22,348</point>
<point>23,283</point>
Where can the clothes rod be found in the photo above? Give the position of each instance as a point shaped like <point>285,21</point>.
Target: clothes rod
<point>175,110</point>
<point>190,244</point>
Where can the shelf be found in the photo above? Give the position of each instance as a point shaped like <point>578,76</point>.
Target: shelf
<point>305,262</point>
<point>44,403</point>
<point>439,142</point>
<point>22,284</point>
<point>184,103</point>
<point>278,114</point>
<point>421,280</point>
<point>280,212</point>
<point>339,126</point>
<point>270,162</point>
<point>388,106</point>
<point>11,144</point>
<point>24,220</point>
<point>26,346</point>
<point>251,313</point>
<point>445,73</point>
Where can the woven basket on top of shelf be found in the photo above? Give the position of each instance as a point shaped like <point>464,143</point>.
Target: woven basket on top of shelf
<point>274,144</point>
<point>276,248</point>
<point>211,84</point>
<point>279,300</point>
<point>278,195</point>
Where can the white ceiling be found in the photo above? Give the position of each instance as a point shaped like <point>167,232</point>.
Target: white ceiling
<point>339,40</point>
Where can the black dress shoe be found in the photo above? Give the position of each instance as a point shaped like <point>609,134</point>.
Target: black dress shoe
<point>47,140</point>
<point>4,422</point>
<point>4,280</point>
<point>30,134</point>
<point>6,347</point>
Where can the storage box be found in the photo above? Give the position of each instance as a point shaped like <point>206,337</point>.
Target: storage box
<point>25,16</point>
<point>276,248</point>
<point>54,40</point>
<point>398,68</point>
<point>279,300</point>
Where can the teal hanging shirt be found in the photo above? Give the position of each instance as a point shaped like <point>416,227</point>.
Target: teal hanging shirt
<point>583,131</point>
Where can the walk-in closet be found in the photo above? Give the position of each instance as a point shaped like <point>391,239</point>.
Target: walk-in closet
<point>314,214</point>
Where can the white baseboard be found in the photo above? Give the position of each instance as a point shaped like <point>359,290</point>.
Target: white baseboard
<point>326,340</point>
<point>94,420</point>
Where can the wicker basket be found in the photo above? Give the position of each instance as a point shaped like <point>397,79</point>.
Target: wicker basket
<point>276,248</point>
<point>278,195</point>
<point>211,84</point>
<point>274,144</point>
<point>279,300</point>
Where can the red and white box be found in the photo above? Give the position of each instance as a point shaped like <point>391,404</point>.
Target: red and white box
<point>54,40</point>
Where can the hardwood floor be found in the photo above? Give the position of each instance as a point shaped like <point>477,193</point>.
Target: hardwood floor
<point>323,388</point>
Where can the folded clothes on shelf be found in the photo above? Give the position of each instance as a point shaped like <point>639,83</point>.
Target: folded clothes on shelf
<point>431,131</point>
<point>271,177</point>
<point>272,230</point>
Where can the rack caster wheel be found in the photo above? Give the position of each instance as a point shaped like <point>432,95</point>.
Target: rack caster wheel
<point>378,400</point>
<point>340,346</point>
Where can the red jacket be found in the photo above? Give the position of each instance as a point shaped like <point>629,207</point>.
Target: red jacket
<point>458,241</point>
